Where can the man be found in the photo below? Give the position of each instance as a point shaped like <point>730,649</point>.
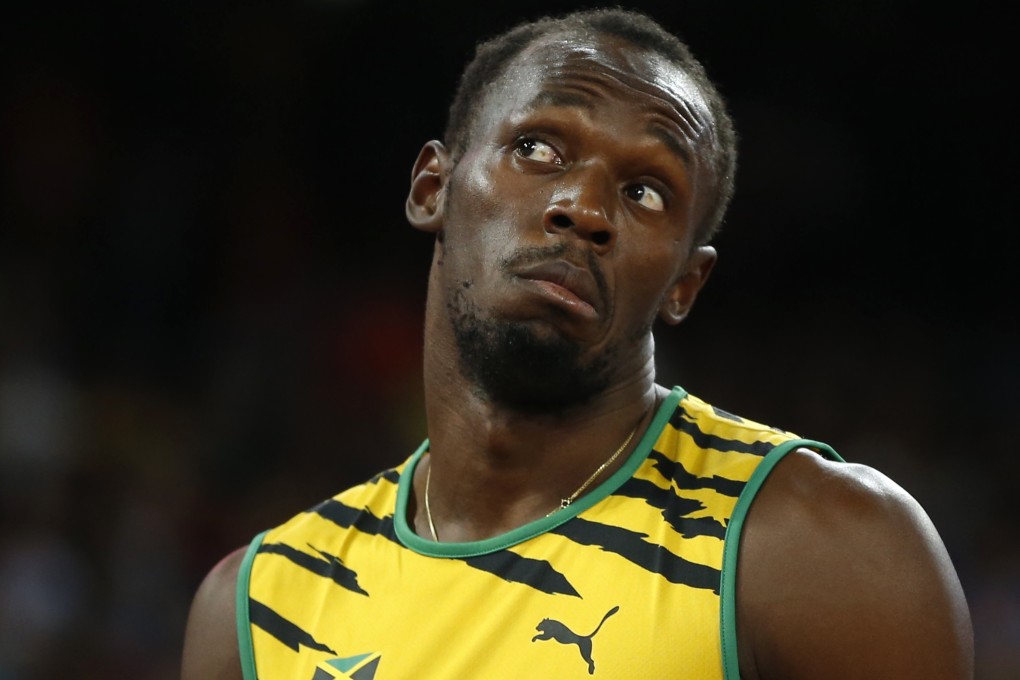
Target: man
<point>567,517</point>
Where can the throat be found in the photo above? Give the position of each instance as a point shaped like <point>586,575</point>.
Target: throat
<point>481,496</point>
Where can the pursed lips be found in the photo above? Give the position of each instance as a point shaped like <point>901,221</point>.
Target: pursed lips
<point>571,283</point>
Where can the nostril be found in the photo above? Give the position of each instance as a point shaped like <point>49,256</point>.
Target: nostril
<point>562,221</point>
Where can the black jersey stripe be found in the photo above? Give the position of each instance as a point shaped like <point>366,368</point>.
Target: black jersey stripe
<point>680,420</point>
<point>327,566</point>
<point>287,632</point>
<point>673,470</point>
<point>361,519</point>
<point>675,509</point>
<point>727,415</point>
<point>632,546</point>
<point>507,565</point>
<point>514,568</point>
<point>657,497</point>
<point>391,475</point>
<point>694,527</point>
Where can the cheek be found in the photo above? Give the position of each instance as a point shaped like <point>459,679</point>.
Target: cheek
<point>478,225</point>
<point>644,282</point>
<point>473,184</point>
<point>486,211</point>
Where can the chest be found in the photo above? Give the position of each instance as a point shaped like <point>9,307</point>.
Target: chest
<point>582,602</point>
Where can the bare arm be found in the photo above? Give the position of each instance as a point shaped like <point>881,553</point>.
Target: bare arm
<point>210,640</point>
<point>842,575</point>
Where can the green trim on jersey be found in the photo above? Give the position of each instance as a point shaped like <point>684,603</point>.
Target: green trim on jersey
<point>653,549</point>
<point>244,642</point>
<point>425,546</point>
<point>731,546</point>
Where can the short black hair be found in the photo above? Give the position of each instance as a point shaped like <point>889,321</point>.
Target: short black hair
<point>494,54</point>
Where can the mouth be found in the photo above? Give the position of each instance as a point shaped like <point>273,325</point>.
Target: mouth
<point>572,287</point>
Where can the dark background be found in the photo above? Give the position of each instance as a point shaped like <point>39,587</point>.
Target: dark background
<point>210,302</point>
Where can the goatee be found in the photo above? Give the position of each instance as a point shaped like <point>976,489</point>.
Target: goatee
<point>513,365</point>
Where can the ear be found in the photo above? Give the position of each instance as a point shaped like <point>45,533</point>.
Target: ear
<point>425,201</point>
<point>681,295</point>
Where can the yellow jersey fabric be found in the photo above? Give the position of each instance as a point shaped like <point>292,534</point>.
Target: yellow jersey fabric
<point>634,580</point>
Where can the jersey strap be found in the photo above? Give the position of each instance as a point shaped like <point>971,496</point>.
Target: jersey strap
<point>731,546</point>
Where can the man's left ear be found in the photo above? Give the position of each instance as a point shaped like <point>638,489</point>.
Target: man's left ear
<point>681,295</point>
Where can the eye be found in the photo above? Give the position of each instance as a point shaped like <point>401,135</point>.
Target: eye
<point>535,150</point>
<point>646,196</point>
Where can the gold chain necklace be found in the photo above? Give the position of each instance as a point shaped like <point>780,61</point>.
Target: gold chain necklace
<point>428,510</point>
<point>564,502</point>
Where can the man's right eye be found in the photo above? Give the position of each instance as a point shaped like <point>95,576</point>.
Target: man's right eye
<point>536,150</point>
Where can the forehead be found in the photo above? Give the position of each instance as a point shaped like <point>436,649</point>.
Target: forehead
<point>553,66</point>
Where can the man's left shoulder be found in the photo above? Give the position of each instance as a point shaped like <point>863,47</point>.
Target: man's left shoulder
<point>849,566</point>
<point>813,488</point>
<point>851,517</point>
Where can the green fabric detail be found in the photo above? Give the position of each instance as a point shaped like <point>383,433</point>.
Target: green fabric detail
<point>731,546</point>
<point>409,538</point>
<point>349,663</point>
<point>244,642</point>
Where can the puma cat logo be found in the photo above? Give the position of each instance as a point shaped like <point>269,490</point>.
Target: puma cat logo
<point>551,629</point>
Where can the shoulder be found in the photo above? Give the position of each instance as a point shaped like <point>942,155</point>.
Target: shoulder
<point>843,575</point>
<point>210,640</point>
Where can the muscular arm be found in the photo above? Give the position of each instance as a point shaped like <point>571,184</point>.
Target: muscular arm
<point>842,575</point>
<point>210,640</point>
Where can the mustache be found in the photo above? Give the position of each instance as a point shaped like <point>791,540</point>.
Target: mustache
<point>539,254</point>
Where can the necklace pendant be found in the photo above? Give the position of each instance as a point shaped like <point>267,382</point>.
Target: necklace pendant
<point>564,502</point>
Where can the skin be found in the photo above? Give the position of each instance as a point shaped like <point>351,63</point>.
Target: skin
<point>596,147</point>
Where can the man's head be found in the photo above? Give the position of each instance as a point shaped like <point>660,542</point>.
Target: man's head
<point>571,208</point>
<point>492,57</point>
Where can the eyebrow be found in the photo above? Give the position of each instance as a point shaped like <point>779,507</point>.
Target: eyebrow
<point>670,140</point>
<point>575,99</point>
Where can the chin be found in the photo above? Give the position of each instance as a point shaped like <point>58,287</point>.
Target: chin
<point>525,366</point>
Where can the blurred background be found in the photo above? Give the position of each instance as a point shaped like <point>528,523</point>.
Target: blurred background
<point>211,304</point>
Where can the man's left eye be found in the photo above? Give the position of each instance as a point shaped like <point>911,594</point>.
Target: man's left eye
<point>646,196</point>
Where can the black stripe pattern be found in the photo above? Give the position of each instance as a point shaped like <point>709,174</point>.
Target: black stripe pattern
<point>633,547</point>
<point>287,632</point>
<point>675,509</point>
<point>327,566</point>
<point>538,574</point>
<point>683,422</point>
<point>508,565</point>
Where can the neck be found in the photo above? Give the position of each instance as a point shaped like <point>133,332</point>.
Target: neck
<point>494,468</point>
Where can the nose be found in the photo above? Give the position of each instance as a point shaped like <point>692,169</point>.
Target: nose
<point>583,205</point>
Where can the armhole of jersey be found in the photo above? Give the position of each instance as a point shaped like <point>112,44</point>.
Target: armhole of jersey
<point>245,645</point>
<point>731,546</point>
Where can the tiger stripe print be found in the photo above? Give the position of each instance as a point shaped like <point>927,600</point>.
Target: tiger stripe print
<point>346,589</point>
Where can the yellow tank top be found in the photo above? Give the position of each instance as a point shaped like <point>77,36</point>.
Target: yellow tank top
<point>635,580</point>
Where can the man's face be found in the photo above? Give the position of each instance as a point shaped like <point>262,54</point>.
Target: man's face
<point>569,219</point>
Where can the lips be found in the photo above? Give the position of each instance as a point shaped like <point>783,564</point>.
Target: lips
<point>573,286</point>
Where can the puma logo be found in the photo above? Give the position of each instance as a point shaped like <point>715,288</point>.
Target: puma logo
<point>551,629</point>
